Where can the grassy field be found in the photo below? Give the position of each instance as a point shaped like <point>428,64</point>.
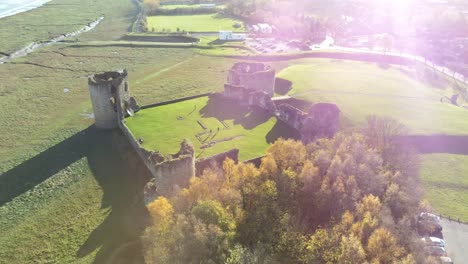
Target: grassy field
<point>193,23</point>
<point>223,123</point>
<point>358,88</point>
<point>445,179</point>
<point>169,7</point>
<point>439,129</point>
<point>59,17</point>
<point>46,149</point>
<point>63,189</point>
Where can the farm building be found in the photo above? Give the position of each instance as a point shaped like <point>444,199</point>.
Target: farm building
<point>229,35</point>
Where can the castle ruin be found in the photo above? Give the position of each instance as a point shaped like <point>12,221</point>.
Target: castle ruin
<point>253,84</point>
<point>248,77</point>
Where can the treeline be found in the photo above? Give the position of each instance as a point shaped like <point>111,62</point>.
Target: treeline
<point>349,199</point>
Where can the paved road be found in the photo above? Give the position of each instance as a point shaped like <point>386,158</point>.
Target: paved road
<point>456,240</point>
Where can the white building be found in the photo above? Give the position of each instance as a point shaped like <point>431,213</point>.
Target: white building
<point>207,6</point>
<point>229,35</point>
<point>265,28</point>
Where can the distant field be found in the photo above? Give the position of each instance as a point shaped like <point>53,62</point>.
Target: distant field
<point>361,89</point>
<point>59,17</point>
<point>185,6</point>
<point>193,23</point>
<point>164,127</point>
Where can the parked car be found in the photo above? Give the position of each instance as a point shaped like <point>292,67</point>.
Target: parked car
<point>433,241</point>
<point>446,260</point>
<point>436,251</point>
<point>429,217</point>
<point>429,224</point>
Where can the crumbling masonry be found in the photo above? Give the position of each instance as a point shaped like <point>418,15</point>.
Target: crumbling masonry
<point>253,84</point>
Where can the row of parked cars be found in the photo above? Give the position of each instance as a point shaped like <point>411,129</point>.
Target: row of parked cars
<point>430,229</point>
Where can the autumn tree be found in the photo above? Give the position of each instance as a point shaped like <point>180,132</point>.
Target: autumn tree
<point>151,5</point>
<point>347,199</point>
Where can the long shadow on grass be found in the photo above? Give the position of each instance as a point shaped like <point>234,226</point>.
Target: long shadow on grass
<point>226,109</point>
<point>451,144</point>
<point>122,176</point>
<point>117,169</point>
<point>282,130</point>
<point>46,164</point>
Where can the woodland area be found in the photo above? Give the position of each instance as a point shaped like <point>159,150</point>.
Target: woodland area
<point>349,199</point>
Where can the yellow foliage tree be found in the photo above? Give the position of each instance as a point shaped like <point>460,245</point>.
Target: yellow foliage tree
<point>383,247</point>
<point>151,5</point>
<point>162,213</point>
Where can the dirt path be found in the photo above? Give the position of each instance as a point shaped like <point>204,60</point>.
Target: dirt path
<point>456,239</point>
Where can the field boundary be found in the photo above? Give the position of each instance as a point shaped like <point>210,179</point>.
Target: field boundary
<point>453,219</point>
<point>175,100</point>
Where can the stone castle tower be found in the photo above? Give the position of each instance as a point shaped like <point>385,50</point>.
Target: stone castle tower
<point>110,98</point>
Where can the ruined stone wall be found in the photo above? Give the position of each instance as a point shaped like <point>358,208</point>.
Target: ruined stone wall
<point>216,160</point>
<point>168,173</point>
<point>174,173</point>
<point>234,92</point>
<point>253,76</point>
<point>291,116</point>
<point>323,120</point>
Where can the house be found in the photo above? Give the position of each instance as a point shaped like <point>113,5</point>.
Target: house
<point>265,28</point>
<point>229,35</point>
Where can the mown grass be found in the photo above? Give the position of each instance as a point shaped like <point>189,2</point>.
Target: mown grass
<point>445,181</point>
<point>163,128</point>
<point>361,89</point>
<point>193,23</point>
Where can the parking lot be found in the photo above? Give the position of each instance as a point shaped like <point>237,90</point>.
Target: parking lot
<point>456,238</point>
<point>273,45</point>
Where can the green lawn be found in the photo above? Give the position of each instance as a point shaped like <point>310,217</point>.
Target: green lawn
<point>193,23</point>
<point>164,127</point>
<point>445,180</point>
<point>361,89</point>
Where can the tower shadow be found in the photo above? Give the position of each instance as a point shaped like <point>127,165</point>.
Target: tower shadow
<point>30,173</point>
<point>450,144</point>
<point>120,174</point>
<point>122,177</point>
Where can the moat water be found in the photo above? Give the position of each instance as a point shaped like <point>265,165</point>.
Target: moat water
<point>13,7</point>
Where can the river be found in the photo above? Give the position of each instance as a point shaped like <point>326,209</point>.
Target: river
<point>12,7</point>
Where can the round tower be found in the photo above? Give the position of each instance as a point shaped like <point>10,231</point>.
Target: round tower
<point>107,91</point>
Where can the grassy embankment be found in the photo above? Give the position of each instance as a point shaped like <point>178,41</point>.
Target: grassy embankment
<point>440,129</point>
<point>65,195</point>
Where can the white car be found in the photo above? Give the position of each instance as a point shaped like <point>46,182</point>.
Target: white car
<point>446,260</point>
<point>433,241</point>
<point>436,251</point>
<point>429,217</point>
